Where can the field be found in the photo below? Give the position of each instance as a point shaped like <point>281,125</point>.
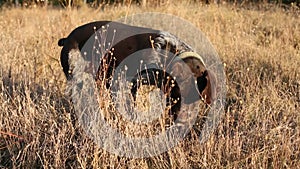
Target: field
<point>260,127</point>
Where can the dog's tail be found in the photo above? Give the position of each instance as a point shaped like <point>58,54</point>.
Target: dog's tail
<point>61,41</point>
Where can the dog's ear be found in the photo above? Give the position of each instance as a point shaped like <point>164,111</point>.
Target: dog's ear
<point>177,70</point>
<point>207,85</point>
<point>181,71</point>
<point>185,78</point>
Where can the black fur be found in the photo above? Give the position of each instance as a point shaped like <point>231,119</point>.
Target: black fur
<point>128,40</point>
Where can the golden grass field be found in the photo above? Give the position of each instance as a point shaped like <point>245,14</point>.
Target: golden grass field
<point>260,127</point>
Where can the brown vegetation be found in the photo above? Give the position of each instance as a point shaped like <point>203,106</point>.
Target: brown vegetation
<point>260,126</point>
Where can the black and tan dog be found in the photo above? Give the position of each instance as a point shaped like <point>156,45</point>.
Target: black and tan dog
<point>114,42</point>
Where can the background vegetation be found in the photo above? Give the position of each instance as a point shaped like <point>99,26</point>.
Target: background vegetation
<point>260,127</point>
<point>101,3</point>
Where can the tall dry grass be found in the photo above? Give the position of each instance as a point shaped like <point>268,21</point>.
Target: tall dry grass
<point>260,126</point>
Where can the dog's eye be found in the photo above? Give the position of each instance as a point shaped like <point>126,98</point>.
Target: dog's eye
<point>198,67</point>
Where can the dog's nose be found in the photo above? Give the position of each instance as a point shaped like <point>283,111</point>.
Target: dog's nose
<point>202,82</point>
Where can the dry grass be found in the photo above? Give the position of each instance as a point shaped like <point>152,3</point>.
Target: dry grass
<point>260,127</point>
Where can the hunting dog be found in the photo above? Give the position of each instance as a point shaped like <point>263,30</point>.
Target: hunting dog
<point>118,41</point>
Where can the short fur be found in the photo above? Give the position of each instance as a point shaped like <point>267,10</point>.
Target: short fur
<point>139,38</point>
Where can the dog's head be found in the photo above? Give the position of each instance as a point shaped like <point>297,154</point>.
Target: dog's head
<point>205,82</point>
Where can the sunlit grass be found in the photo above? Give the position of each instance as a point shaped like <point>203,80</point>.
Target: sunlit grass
<point>260,127</point>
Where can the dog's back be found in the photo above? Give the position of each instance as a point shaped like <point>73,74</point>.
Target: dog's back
<point>125,40</point>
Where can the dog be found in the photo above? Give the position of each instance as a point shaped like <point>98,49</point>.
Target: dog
<point>118,41</point>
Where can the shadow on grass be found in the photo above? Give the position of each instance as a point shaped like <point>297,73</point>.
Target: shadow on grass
<point>32,115</point>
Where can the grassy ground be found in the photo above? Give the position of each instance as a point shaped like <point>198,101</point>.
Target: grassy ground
<point>260,127</point>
